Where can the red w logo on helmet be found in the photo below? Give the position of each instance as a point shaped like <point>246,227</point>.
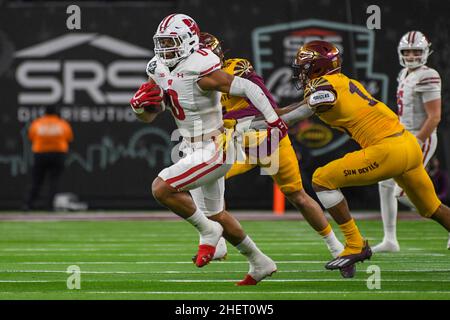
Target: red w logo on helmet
<point>192,26</point>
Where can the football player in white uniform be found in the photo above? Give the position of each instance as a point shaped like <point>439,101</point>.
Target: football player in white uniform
<point>192,82</point>
<point>419,110</point>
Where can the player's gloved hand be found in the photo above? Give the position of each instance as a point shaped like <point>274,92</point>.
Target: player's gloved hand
<point>149,95</point>
<point>277,124</point>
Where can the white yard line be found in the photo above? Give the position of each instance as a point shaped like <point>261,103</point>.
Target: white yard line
<point>404,261</point>
<point>150,262</point>
<point>428,271</point>
<point>90,249</point>
<point>295,280</point>
<point>145,254</point>
<point>236,292</point>
<point>146,244</point>
<point>106,240</point>
<point>228,280</point>
<point>64,253</point>
<point>30,281</point>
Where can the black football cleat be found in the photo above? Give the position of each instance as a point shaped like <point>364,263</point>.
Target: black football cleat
<point>342,262</point>
<point>348,272</point>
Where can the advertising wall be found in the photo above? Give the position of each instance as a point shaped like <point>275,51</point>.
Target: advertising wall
<point>91,74</point>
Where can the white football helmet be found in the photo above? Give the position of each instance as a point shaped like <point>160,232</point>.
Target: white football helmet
<point>414,40</point>
<point>176,38</point>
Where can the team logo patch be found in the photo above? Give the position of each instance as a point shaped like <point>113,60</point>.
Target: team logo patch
<point>151,67</point>
<point>321,97</point>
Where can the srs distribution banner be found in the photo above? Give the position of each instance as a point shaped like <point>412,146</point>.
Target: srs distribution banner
<point>90,74</point>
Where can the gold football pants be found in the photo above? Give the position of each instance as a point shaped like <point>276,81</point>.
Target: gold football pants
<point>398,157</point>
<point>288,175</point>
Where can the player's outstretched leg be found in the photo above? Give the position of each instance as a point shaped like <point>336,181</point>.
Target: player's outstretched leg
<point>182,204</point>
<point>221,250</point>
<point>356,248</point>
<point>442,216</point>
<point>208,243</point>
<point>389,208</point>
<point>420,190</point>
<point>313,214</point>
<point>220,253</point>
<point>261,266</point>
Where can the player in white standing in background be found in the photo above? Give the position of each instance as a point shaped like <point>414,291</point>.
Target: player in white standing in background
<point>419,110</point>
<point>192,80</point>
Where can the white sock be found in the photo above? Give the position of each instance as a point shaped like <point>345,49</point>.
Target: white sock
<point>333,244</point>
<point>389,208</point>
<point>405,201</point>
<point>249,249</point>
<point>200,222</point>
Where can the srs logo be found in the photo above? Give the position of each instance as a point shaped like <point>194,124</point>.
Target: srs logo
<point>48,73</point>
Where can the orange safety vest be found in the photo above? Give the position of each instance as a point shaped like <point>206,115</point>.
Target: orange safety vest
<point>50,133</point>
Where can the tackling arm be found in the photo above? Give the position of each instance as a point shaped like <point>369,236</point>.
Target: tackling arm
<point>237,86</point>
<point>318,101</point>
<point>291,114</point>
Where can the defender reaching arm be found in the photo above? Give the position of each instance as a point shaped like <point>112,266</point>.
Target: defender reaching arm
<point>237,86</point>
<point>290,115</point>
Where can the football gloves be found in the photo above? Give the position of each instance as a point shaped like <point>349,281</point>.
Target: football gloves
<point>148,97</point>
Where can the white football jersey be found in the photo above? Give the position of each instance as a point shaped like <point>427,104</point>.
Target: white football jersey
<point>414,89</point>
<point>195,111</point>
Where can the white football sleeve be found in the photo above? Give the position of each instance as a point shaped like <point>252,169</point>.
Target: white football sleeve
<point>430,96</point>
<point>245,88</point>
<point>300,113</point>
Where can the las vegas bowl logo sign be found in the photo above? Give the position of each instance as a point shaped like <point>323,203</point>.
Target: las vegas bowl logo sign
<point>275,46</point>
<point>274,49</point>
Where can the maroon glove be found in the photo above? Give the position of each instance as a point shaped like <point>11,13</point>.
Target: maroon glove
<point>277,124</point>
<point>148,97</point>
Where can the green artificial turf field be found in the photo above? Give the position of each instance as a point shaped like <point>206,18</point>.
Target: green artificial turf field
<point>152,260</point>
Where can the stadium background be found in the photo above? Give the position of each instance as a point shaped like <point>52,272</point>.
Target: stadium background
<point>114,158</point>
